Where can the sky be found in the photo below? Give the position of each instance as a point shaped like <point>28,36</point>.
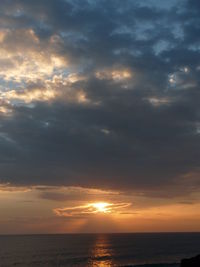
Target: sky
<point>99,116</point>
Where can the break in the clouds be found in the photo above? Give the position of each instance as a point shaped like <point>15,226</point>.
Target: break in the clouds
<point>101,94</point>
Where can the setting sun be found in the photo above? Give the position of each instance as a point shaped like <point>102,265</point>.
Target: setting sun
<point>101,207</point>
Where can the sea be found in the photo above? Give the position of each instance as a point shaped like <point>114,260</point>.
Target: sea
<point>93,250</point>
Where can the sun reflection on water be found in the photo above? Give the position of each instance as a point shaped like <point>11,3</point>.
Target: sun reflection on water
<point>101,253</point>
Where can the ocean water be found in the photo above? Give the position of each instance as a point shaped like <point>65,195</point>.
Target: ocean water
<point>95,250</point>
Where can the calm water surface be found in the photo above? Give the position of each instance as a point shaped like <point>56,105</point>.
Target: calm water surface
<point>97,249</point>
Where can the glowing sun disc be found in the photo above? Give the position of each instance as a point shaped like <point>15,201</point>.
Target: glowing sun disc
<point>101,206</point>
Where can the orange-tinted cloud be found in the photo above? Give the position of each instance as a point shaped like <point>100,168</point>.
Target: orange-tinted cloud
<point>91,208</point>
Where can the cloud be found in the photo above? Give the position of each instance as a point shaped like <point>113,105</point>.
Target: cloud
<point>102,95</point>
<point>80,194</point>
<point>10,188</point>
<point>24,58</point>
<point>91,209</point>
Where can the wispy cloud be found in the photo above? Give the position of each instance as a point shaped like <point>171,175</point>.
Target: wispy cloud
<point>91,209</point>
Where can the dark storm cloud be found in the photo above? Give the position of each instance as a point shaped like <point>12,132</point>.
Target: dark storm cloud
<point>132,122</point>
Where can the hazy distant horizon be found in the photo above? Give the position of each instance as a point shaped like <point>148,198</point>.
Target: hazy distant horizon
<point>101,233</point>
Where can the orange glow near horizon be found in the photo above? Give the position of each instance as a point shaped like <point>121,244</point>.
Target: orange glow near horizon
<point>85,210</point>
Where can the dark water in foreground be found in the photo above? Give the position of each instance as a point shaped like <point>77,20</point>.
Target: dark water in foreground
<point>97,249</point>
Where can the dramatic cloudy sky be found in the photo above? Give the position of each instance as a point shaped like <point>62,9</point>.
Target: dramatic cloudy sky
<point>99,101</point>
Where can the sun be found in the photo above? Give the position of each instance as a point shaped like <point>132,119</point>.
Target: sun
<point>103,207</point>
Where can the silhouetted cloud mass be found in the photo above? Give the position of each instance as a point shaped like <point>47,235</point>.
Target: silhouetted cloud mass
<point>101,94</point>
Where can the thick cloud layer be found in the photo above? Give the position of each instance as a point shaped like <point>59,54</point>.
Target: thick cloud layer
<point>100,94</point>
